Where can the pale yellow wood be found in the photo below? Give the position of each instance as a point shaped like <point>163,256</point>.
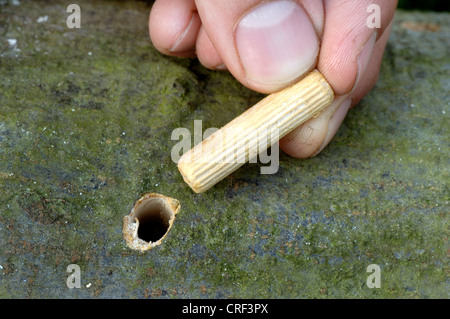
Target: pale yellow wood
<point>262,125</point>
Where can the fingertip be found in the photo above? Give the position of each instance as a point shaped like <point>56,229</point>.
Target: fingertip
<point>207,53</point>
<point>314,135</point>
<point>348,41</point>
<point>334,123</point>
<point>370,77</point>
<point>173,27</point>
<point>305,140</point>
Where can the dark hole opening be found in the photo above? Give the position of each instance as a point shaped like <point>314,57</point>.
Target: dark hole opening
<point>153,218</point>
<point>152,228</point>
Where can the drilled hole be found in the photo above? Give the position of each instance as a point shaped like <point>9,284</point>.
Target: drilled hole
<point>153,216</point>
<point>149,221</point>
<point>152,229</point>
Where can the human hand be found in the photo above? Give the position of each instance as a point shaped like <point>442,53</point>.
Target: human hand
<point>269,45</point>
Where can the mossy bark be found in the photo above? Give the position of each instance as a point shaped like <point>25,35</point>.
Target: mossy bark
<point>86,117</point>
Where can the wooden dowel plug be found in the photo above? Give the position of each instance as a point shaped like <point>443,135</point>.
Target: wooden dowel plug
<point>254,131</point>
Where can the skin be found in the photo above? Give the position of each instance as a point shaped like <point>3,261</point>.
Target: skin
<point>350,52</point>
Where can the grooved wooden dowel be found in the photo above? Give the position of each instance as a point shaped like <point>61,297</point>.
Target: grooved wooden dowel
<point>252,132</point>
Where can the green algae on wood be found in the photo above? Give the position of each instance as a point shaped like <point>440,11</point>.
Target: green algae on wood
<point>82,136</point>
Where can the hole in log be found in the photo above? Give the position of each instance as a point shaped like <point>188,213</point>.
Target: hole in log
<point>149,221</point>
<point>153,216</point>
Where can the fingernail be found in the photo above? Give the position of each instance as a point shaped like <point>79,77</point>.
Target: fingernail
<point>221,67</point>
<point>364,57</point>
<point>187,37</point>
<point>335,122</point>
<point>276,43</point>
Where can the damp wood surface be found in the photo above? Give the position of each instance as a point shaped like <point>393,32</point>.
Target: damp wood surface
<point>86,118</point>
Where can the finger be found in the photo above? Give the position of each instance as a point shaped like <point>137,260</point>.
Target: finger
<point>316,13</point>
<point>173,27</point>
<point>265,45</point>
<point>366,83</point>
<point>312,137</point>
<point>207,53</point>
<point>306,140</point>
<point>348,41</point>
<point>370,76</point>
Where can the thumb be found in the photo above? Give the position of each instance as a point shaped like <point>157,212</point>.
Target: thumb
<point>265,45</point>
